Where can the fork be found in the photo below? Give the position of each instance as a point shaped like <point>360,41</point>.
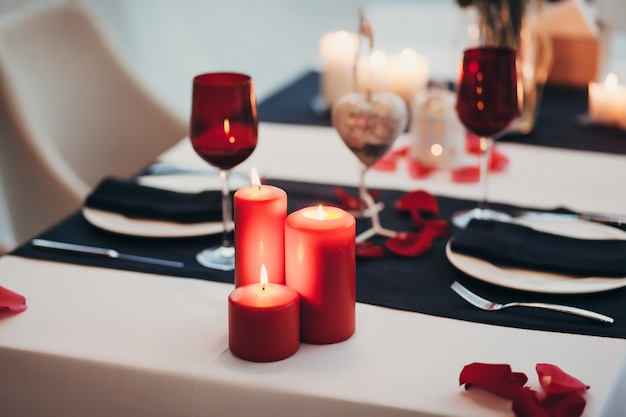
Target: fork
<point>485,304</point>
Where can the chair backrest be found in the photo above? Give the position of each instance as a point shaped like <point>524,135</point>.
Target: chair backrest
<point>73,112</point>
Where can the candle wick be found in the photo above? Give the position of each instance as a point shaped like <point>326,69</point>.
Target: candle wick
<point>263,286</point>
<point>259,186</point>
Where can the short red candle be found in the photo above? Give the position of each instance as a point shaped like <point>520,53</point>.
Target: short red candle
<point>263,322</point>
<point>320,264</point>
<point>260,212</point>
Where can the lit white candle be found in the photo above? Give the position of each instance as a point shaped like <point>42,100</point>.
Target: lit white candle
<point>404,74</point>
<point>338,54</point>
<point>607,102</point>
<point>408,72</point>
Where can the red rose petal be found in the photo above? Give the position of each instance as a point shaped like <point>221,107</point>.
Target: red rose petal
<point>472,143</point>
<point>11,301</point>
<point>496,378</point>
<point>389,161</point>
<point>410,244</point>
<point>418,171</point>
<point>386,165</point>
<point>498,161</point>
<point>554,380</point>
<point>466,175</point>
<point>418,200</point>
<point>369,250</point>
<point>439,227</point>
<point>417,219</point>
<point>564,405</point>
<point>526,404</point>
<point>348,201</point>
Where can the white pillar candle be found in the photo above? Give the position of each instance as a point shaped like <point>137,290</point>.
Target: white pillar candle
<point>404,74</point>
<point>408,72</point>
<point>607,102</point>
<point>338,54</point>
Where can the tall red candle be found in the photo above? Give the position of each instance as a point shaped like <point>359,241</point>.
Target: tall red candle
<point>263,322</point>
<point>320,264</point>
<point>260,212</point>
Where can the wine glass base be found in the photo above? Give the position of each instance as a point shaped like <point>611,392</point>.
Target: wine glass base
<point>222,258</point>
<point>462,219</point>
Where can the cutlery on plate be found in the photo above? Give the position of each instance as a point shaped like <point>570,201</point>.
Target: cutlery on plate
<point>485,304</point>
<point>105,252</point>
<point>611,219</point>
<point>167,168</point>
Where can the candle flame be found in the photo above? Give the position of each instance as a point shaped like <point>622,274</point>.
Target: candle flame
<point>264,280</point>
<point>320,212</point>
<point>610,82</point>
<point>436,149</point>
<point>254,178</point>
<point>227,126</point>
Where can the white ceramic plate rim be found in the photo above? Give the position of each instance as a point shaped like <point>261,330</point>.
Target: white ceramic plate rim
<point>117,223</point>
<point>543,282</point>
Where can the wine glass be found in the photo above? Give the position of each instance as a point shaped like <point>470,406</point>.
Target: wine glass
<point>369,124</point>
<point>224,128</point>
<point>487,104</point>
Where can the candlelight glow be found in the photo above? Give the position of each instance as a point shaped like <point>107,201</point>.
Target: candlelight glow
<point>226,126</point>
<point>408,59</point>
<point>342,40</point>
<point>610,82</point>
<point>254,178</point>
<point>436,149</point>
<point>378,60</point>
<point>264,280</point>
<point>320,212</point>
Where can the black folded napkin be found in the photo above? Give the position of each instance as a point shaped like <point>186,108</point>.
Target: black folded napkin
<point>519,246</point>
<point>137,201</point>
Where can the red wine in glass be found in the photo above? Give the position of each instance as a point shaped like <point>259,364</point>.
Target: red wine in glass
<point>487,104</point>
<point>223,132</point>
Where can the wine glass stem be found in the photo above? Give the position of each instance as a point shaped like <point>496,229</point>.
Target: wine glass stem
<point>362,190</point>
<point>227,216</point>
<point>486,146</point>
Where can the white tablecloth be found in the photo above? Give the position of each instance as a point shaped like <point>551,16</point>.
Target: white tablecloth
<point>103,342</point>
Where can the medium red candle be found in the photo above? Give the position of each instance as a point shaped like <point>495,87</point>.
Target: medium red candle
<point>263,321</point>
<point>320,264</point>
<point>260,212</point>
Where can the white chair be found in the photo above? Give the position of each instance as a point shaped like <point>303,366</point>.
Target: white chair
<point>71,112</point>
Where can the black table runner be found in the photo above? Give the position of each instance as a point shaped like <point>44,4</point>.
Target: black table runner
<point>560,122</point>
<point>414,284</point>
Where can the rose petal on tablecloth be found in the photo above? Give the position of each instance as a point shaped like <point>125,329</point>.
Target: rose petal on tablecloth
<point>554,380</point>
<point>369,250</point>
<point>498,379</point>
<point>419,200</point>
<point>11,301</point>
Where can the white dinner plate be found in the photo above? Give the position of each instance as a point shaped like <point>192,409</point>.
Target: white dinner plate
<point>544,282</point>
<point>118,223</point>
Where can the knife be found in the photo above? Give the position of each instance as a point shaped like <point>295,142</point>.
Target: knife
<point>105,252</point>
<point>591,217</point>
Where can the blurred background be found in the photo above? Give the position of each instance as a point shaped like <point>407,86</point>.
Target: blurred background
<point>169,41</point>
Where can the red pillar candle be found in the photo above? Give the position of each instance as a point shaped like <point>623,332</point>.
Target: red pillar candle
<point>260,212</point>
<point>320,264</point>
<point>263,321</point>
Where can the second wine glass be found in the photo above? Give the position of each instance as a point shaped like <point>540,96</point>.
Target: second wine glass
<point>487,104</point>
<point>224,129</point>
